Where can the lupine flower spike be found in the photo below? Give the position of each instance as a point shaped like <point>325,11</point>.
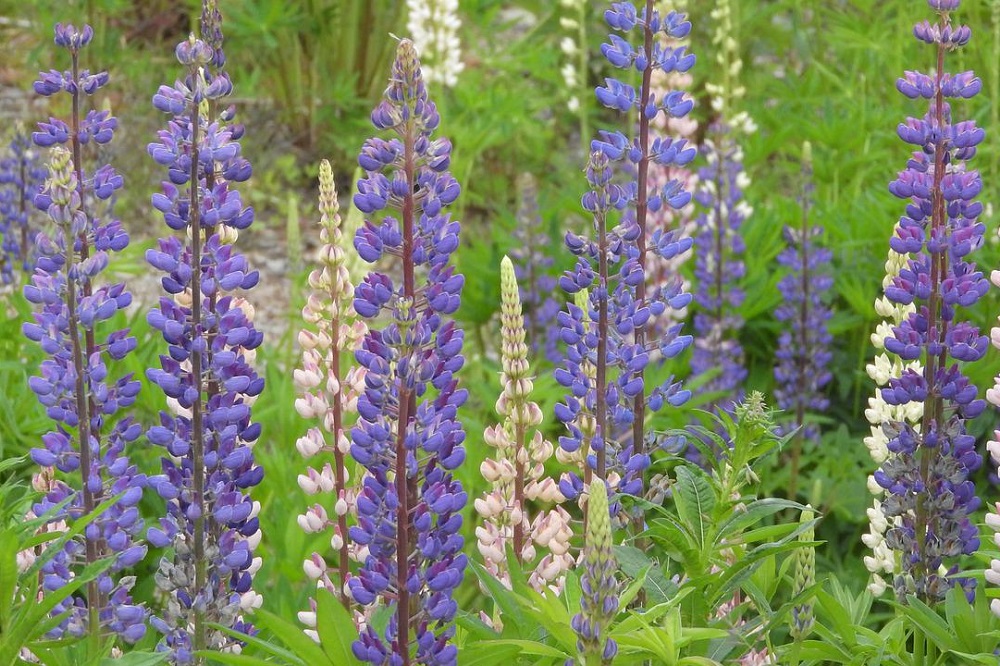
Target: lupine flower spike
<point>719,247</point>
<point>21,177</point>
<point>532,265</point>
<point>408,436</point>
<point>433,26</point>
<point>599,602</point>
<point>926,473</point>
<point>805,577</point>
<point>883,563</point>
<point>613,267</point>
<point>803,351</point>
<point>207,375</point>
<point>575,68</point>
<point>328,394</point>
<point>77,384</point>
<point>662,271</point>
<point>516,474</point>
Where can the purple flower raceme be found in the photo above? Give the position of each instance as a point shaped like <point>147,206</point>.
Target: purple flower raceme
<point>532,265</point>
<point>608,349</point>
<point>929,496</point>
<point>21,177</point>
<point>719,246</point>
<point>207,374</point>
<point>804,345</point>
<point>599,601</point>
<point>79,390</point>
<point>408,436</point>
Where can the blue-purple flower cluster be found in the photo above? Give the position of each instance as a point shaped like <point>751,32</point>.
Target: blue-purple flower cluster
<point>611,337</point>
<point>79,390</point>
<point>21,177</point>
<point>929,495</point>
<point>718,269</point>
<point>532,266</point>
<point>408,436</point>
<point>803,351</point>
<point>207,374</point>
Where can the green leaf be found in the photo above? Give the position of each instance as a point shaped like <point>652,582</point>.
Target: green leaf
<point>335,627</point>
<point>695,501</point>
<point>137,659</point>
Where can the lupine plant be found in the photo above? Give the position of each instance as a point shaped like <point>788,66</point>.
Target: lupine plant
<point>329,394</point>
<point>207,375</point>
<point>517,473</point>
<point>532,266</point>
<point>21,177</point>
<point>719,267</point>
<point>801,372</point>
<point>599,603</point>
<point>610,332</point>
<point>433,26</point>
<point>408,436</point>
<point>926,474</point>
<point>78,385</point>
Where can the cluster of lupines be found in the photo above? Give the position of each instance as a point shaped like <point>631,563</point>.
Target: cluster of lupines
<point>21,177</point>
<point>609,334</point>
<point>76,385</point>
<point>882,562</point>
<point>685,127</point>
<point>803,352</point>
<point>531,266</point>
<point>328,395</point>
<point>517,474</point>
<point>207,374</point>
<point>433,26</point>
<point>926,474</point>
<point>599,601</point>
<point>407,435</point>
<point>719,246</point>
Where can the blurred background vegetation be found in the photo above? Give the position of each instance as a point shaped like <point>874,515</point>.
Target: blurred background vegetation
<point>307,73</point>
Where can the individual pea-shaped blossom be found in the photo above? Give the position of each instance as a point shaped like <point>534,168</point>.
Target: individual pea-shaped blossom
<point>77,384</point>
<point>623,311</point>
<point>803,353</point>
<point>719,246</point>
<point>516,474</point>
<point>532,267</point>
<point>21,177</point>
<point>599,598</point>
<point>207,373</point>
<point>926,474</point>
<point>408,436</point>
<point>329,388</point>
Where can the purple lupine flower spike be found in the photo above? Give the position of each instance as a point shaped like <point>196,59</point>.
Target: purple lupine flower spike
<point>610,334</point>
<point>532,265</point>
<point>408,436</point>
<point>804,345</point>
<point>929,496</point>
<point>77,384</point>
<point>21,177</point>
<point>719,246</point>
<point>208,374</point>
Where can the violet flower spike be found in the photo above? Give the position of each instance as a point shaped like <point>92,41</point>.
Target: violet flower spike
<point>22,175</point>
<point>532,266</point>
<point>408,436</point>
<point>926,473</point>
<point>803,354</point>
<point>719,267</point>
<point>207,374</point>
<point>77,384</point>
<point>631,310</point>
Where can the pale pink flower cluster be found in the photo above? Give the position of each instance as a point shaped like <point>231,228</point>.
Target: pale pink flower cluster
<point>516,473</point>
<point>993,446</point>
